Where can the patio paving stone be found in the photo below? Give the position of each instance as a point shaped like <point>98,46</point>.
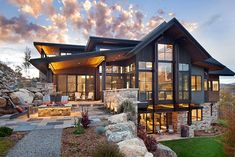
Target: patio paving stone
<point>45,127</point>
<point>55,123</point>
<point>25,128</point>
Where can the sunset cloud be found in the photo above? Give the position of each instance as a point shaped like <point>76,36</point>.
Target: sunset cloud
<point>19,29</point>
<point>34,8</point>
<point>89,17</point>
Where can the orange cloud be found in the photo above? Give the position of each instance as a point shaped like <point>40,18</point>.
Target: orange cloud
<point>89,17</point>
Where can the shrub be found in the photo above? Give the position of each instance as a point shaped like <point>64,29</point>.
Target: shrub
<point>100,130</point>
<point>149,141</point>
<point>5,131</point>
<point>85,119</point>
<point>78,128</point>
<point>127,106</point>
<point>107,150</point>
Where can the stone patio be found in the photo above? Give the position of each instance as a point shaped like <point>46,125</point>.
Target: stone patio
<point>41,123</point>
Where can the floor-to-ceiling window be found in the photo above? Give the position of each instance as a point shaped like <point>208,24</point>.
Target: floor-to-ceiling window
<point>183,81</point>
<point>83,84</point>
<point>62,84</point>
<point>145,85</point>
<point>71,86</point>
<point>165,72</point>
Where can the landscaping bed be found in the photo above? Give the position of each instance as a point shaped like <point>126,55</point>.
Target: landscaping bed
<point>8,142</point>
<point>80,145</point>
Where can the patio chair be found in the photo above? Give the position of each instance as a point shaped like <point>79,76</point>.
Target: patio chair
<point>90,96</point>
<point>83,97</point>
<point>170,129</point>
<point>78,96</point>
<point>64,100</point>
<point>158,129</point>
<point>46,100</point>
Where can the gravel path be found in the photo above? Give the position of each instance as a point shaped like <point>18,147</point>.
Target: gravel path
<point>38,143</point>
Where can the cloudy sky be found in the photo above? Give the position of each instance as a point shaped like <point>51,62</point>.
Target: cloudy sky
<point>211,22</point>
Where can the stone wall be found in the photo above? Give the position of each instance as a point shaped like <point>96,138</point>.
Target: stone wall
<point>207,118</point>
<point>114,98</point>
<point>205,124</point>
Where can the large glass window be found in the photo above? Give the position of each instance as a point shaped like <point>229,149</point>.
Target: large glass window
<point>183,86</point>
<point>183,67</point>
<point>196,83</point>
<point>196,115</point>
<point>62,82</point>
<point>165,81</point>
<point>145,85</point>
<point>145,65</point>
<point>215,86</point>
<point>183,81</point>
<point>165,52</point>
<point>205,85</point>
<point>81,85</point>
<point>146,120</point>
<point>114,82</point>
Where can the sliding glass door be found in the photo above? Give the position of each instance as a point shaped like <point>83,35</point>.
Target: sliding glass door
<point>83,84</point>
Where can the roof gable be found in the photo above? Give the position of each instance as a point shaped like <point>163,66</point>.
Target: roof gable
<point>164,27</point>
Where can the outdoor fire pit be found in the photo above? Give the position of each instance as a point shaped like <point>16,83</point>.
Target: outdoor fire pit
<point>47,111</point>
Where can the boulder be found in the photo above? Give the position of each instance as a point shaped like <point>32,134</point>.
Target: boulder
<point>119,136</point>
<point>118,118</point>
<point>38,96</point>
<point>133,147</point>
<point>37,102</point>
<point>148,154</point>
<point>164,151</point>
<point>124,126</point>
<point>14,98</point>
<point>26,95</point>
<point>3,102</point>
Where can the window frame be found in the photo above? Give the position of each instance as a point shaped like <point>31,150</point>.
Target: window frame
<point>197,89</point>
<point>212,87</point>
<point>197,118</point>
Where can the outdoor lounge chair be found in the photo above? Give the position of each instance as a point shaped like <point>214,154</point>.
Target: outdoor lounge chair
<point>170,129</point>
<point>83,97</point>
<point>158,129</point>
<point>78,96</point>
<point>64,100</point>
<point>46,100</point>
<point>90,96</point>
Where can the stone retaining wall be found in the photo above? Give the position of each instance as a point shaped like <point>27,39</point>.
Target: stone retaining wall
<point>114,98</point>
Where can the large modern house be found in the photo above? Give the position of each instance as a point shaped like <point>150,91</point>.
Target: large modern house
<point>176,78</point>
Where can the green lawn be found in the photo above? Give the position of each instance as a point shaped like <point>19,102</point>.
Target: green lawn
<point>4,146</point>
<point>197,147</point>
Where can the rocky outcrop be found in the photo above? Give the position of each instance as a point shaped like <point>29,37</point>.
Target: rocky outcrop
<point>119,136</point>
<point>3,102</point>
<point>38,96</point>
<point>25,95</point>
<point>125,126</point>
<point>8,78</point>
<point>118,118</point>
<point>123,132</point>
<point>14,98</point>
<point>164,151</point>
<point>133,147</point>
